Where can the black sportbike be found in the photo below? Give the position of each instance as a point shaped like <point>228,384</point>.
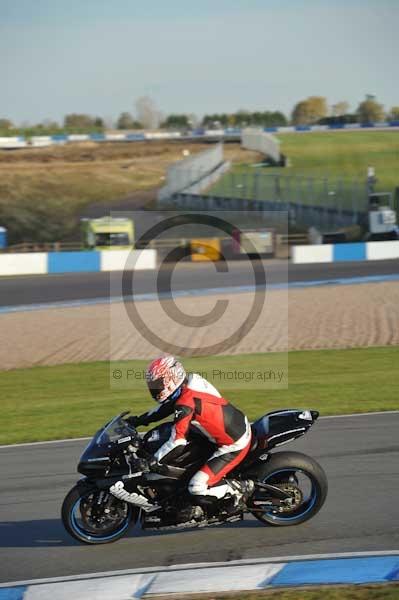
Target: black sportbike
<point>120,486</point>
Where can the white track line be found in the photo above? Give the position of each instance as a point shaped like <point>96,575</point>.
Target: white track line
<point>209,565</point>
<point>84,439</point>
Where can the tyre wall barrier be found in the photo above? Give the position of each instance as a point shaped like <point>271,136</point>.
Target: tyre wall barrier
<point>40,263</point>
<point>327,253</point>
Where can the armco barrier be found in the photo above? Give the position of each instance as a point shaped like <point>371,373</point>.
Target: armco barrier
<point>326,253</point>
<point>211,578</point>
<point>206,134</point>
<point>23,263</point>
<point>73,262</point>
<point>40,263</point>
<point>348,252</point>
<point>117,260</point>
<point>312,254</point>
<point>382,250</point>
<point>12,143</point>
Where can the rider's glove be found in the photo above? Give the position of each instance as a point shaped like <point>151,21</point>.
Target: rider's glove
<point>138,464</point>
<point>133,421</point>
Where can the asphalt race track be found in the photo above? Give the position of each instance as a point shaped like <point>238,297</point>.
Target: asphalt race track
<point>360,455</point>
<point>22,290</point>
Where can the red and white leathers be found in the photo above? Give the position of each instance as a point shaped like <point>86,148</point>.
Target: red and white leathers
<point>201,405</point>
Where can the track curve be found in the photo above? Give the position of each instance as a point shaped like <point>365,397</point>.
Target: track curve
<point>359,453</point>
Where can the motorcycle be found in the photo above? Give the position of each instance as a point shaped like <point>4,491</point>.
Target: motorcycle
<point>120,486</point>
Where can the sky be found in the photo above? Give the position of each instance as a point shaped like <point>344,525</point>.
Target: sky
<point>198,56</point>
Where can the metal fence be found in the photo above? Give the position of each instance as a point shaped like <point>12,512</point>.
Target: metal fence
<point>185,173</point>
<point>311,191</point>
<point>321,202</point>
<point>325,203</point>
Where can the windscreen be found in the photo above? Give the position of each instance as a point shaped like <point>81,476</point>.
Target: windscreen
<point>114,431</point>
<point>112,239</point>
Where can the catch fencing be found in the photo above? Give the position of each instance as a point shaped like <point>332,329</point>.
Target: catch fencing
<point>324,203</point>
<point>200,170</point>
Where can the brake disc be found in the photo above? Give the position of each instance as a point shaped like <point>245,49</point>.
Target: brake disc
<point>294,501</point>
<point>96,516</point>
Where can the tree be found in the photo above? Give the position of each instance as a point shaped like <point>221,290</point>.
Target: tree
<point>48,124</point>
<point>147,112</point>
<point>300,115</point>
<point>78,121</point>
<point>98,122</point>
<point>176,122</point>
<point>307,112</point>
<point>125,121</point>
<point>243,118</point>
<point>6,124</point>
<point>394,113</point>
<point>340,108</point>
<point>370,111</point>
<point>274,119</point>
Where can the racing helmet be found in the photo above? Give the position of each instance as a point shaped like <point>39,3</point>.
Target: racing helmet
<point>164,377</point>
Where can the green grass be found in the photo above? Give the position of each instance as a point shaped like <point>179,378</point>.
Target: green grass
<point>345,154</point>
<point>339,155</point>
<point>45,403</point>
<point>359,592</point>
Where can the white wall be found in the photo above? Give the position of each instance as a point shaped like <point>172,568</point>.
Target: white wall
<point>42,140</point>
<point>256,139</point>
<point>34,263</point>
<point>12,142</point>
<point>78,137</point>
<point>382,250</point>
<point>183,173</point>
<point>118,260</point>
<point>312,254</point>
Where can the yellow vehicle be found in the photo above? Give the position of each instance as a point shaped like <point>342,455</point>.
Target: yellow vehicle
<point>108,233</point>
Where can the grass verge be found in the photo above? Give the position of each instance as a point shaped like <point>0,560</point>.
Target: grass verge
<point>341,157</point>
<point>389,591</point>
<point>345,154</point>
<point>45,403</point>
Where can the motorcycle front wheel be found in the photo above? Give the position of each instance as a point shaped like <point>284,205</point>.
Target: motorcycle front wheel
<point>94,516</point>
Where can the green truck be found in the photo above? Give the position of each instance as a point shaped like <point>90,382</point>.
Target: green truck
<point>108,233</point>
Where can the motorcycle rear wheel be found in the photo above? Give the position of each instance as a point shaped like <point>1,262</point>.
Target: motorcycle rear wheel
<point>289,470</point>
<point>78,516</point>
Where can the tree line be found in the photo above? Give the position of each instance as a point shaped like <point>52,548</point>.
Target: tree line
<point>313,110</point>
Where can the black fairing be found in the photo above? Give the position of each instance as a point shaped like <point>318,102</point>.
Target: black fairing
<point>98,459</point>
<point>282,426</point>
<point>194,453</point>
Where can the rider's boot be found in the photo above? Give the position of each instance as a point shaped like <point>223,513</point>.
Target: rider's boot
<point>236,499</point>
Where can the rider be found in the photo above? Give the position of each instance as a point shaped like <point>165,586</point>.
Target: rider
<point>194,401</point>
